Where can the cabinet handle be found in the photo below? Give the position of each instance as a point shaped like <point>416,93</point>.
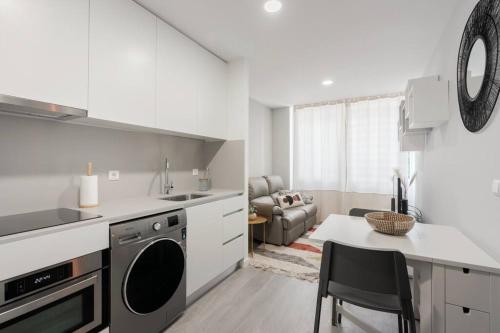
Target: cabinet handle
<point>466,310</point>
<point>231,213</point>
<point>466,270</point>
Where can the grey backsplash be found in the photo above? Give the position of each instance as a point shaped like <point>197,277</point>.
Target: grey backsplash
<point>41,161</point>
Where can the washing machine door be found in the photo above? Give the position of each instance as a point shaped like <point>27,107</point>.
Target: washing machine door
<point>153,276</point>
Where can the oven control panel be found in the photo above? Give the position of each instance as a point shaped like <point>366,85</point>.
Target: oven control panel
<point>37,281</point>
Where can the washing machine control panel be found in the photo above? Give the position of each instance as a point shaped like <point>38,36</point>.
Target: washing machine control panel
<point>157,226</point>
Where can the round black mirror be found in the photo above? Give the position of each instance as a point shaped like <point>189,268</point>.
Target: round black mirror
<point>478,71</point>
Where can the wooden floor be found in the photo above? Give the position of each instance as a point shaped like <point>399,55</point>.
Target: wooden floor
<point>254,301</point>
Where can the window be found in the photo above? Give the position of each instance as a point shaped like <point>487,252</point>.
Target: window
<point>350,146</point>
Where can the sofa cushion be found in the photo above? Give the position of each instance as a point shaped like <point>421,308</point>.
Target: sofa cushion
<point>275,183</point>
<point>290,200</point>
<point>257,187</point>
<point>293,217</point>
<point>310,210</point>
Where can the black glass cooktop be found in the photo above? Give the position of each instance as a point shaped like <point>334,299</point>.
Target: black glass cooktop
<point>15,224</point>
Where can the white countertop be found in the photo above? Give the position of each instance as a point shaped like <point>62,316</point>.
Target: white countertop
<point>44,247</point>
<point>425,242</point>
<point>130,208</point>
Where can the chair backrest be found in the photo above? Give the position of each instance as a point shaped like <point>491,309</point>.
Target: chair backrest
<point>361,212</point>
<point>375,271</point>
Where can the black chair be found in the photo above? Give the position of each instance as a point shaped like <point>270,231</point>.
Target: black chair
<point>371,279</point>
<point>361,212</point>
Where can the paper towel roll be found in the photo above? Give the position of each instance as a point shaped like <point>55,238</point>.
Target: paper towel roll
<point>89,193</point>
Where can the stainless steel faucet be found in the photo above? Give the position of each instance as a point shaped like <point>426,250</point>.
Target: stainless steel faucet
<point>168,185</point>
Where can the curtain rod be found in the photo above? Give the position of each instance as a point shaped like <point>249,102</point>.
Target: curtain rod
<point>347,100</point>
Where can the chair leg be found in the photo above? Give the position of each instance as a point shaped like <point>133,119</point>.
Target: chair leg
<point>334,311</point>
<point>406,325</point>
<point>318,313</point>
<point>400,324</point>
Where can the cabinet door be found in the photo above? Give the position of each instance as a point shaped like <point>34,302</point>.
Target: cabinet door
<point>176,96</point>
<point>44,50</point>
<point>122,62</point>
<point>212,90</point>
<point>204,244</point>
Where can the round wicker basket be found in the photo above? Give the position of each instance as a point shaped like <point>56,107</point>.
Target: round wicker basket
<point>390,223</point>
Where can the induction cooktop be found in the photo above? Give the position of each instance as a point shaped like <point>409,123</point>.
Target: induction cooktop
<point>14,224</point>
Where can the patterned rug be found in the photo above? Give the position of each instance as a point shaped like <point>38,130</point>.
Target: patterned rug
<point>301,259</point>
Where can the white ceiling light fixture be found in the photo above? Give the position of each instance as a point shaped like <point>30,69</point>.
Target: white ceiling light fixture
<point>273,6</point>
<point>327,82</point>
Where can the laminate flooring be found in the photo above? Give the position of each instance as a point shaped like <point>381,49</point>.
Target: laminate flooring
<point>255,301</point>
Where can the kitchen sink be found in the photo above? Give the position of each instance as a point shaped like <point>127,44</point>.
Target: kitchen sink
<point>185,197</point>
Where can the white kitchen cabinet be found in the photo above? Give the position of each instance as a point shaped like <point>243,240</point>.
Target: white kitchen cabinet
<point>212,95</point>
<point>122,63</point>
<point>204,244</point>
<point>409,139</point>
<point>44,52</point>
<point>176,92</point>
<point>426,102</point>
<point>214,240</point>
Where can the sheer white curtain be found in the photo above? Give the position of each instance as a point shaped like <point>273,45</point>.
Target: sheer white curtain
<point>350,147</point>
<point>372,145</point>
<point>319,148</point>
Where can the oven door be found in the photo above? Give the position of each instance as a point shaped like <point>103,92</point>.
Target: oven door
<point>74,306</point>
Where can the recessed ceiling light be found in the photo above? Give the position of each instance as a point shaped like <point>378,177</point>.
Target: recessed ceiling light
<point>327,82</point>
<point>272,6</point>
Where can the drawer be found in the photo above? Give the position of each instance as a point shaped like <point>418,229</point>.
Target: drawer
<point>233,225</point>
<point>464,320</point>
<point>468,288</point>
<point>233,252</point>
<point>234,204</point>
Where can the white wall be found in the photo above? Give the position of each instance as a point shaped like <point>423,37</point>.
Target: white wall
<point>457,168</point>
<point>260,140</point>
<point>41,162</point>
<point>281,144</point>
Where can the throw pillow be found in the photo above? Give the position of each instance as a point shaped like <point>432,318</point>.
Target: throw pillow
<point>290,200</point>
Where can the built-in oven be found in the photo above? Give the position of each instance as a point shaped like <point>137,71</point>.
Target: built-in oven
<point>66,297</point>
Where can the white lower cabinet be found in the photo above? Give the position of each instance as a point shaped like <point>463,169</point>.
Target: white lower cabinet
<point>209,250</point>
<point>232,252</point>
<point>204,239</point>
<point>466,320</point>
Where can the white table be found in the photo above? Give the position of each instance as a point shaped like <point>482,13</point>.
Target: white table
<point>452,272</point>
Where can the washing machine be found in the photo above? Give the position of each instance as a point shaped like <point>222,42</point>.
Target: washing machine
<point>147,272</point>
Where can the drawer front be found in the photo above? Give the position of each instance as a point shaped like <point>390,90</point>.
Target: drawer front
<point>234,204</point>
<point>468,288</point>
<point>233,252</point>
<point>460,320</point>
<point>233,226</point>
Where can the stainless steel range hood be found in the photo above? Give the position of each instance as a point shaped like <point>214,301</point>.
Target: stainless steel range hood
<point>31,108</point>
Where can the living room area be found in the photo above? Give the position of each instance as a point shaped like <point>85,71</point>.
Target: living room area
<point>307,162</point>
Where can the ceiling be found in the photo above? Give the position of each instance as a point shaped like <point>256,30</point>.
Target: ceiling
<point>367,47</point>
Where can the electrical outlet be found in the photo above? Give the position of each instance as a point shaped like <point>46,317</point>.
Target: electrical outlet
<point>114,175</point>
<point>195,172</point>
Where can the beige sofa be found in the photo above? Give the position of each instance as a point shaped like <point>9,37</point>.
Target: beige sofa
<point>284,225</point>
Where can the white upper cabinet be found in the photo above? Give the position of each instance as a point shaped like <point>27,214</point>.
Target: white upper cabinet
<point>122,63</point>
<point>426,103</point>
<point>176,94</point>
<point>44,50</point>
<point>213,95</point>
